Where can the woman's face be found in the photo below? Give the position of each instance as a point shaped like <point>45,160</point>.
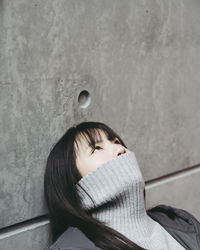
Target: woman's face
<point>89,159</point>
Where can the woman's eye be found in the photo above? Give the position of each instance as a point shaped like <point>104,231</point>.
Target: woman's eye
<point>96,147</point>
<point>117,141</point>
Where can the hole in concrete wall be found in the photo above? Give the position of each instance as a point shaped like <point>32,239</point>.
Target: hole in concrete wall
<point>84,99</point>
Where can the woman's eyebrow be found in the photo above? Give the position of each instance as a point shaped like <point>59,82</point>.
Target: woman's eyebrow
<point>98,141</point>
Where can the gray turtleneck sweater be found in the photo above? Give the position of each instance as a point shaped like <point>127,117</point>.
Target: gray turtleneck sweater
<point>119,183</point>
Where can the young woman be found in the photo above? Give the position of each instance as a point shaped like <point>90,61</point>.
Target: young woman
<point>95,195</point>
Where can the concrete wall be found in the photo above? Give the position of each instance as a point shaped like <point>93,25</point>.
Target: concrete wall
<point>139,61</point>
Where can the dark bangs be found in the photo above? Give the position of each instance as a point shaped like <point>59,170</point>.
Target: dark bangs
<point>91,132</point>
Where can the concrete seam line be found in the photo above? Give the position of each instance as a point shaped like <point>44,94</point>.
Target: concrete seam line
<point>23,229</point>
<point>171,178</point>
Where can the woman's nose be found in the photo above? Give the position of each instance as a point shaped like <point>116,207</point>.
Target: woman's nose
<point>121,150</point>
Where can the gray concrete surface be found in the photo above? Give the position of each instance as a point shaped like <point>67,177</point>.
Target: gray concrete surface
<point>180,190</point>
<point>140,62</point>
<point>34,237</point>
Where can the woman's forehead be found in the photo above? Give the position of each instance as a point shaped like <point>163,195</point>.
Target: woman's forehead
<point>90,137</point>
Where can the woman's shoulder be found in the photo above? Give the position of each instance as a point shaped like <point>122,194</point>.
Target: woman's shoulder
<point>182,225</point>
<point>73,239</point>
<point>171,216</point>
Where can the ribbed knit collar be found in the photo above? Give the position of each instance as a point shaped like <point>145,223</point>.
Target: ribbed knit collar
<point>117,190</point>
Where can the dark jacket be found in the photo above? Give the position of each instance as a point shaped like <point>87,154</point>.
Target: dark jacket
<point>179,223</point>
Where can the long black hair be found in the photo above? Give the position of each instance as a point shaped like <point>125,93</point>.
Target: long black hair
<point>61,196</point>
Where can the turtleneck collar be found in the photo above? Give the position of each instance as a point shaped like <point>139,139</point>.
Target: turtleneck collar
<point>115,196</point>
